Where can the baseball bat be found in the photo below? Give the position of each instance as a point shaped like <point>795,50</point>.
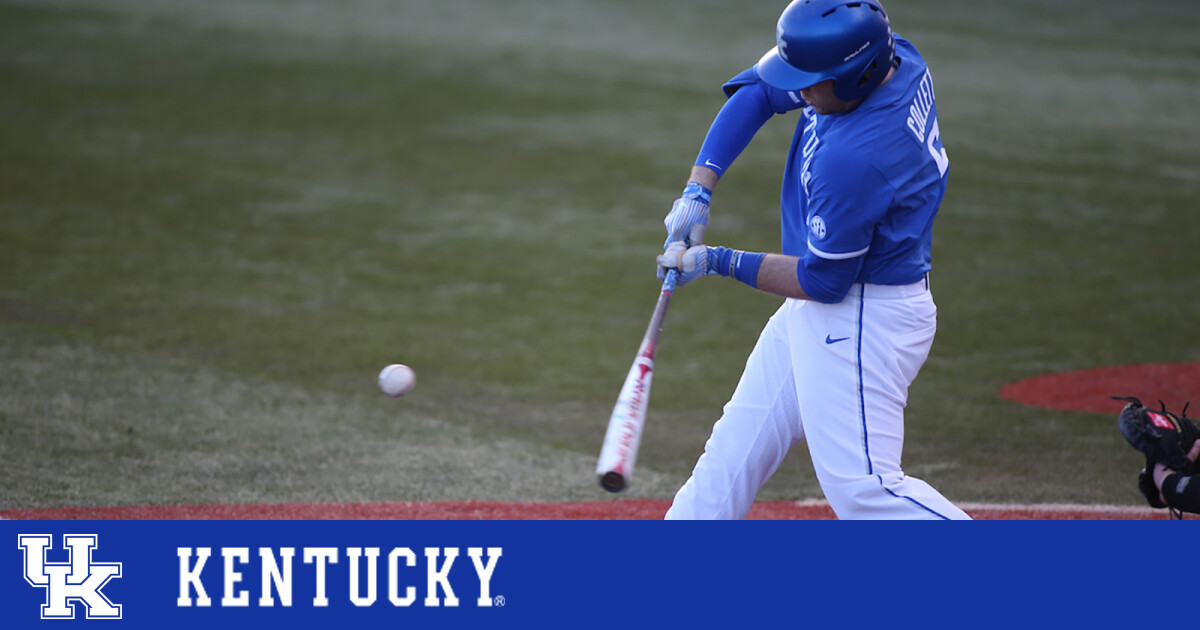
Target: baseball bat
<point>624,434</point>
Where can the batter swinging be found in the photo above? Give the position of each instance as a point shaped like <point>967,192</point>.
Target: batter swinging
<point>865,175</point>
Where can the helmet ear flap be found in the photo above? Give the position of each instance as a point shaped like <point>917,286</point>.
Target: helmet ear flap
<point>865,77</point>
<point>869,72</point>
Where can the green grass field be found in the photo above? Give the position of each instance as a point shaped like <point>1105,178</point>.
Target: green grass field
<point>219,219</point>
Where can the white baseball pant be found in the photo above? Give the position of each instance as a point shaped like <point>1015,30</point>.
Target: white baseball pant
<point>836,376</point>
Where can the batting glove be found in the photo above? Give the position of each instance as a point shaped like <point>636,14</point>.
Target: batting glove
<point>688,217</point>
<point>692,262</point>
<point>702,260</point>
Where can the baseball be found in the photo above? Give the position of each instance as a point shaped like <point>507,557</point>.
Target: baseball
<point>397,380</point>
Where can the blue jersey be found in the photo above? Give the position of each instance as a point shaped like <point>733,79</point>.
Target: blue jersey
<point>860,189</point>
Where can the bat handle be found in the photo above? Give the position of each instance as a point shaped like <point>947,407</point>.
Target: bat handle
<point>668,285</point>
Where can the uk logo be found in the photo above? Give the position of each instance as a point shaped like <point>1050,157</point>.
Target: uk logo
<point>77,581</point>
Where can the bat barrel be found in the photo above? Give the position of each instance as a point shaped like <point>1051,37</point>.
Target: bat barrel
<point>612,481</point>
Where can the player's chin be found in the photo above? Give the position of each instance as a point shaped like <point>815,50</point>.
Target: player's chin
<point>823,109</point>
<point>831,107</point>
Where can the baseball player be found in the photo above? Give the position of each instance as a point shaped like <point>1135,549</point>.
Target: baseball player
<point>863,181</point>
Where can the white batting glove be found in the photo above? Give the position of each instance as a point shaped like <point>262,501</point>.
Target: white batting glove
<point>692,262</point>
<point>688,217</point>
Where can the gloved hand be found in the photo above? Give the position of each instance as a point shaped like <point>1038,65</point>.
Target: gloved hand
<point>692,262</point>
<point>688,217</point>
<point>1163,437</point>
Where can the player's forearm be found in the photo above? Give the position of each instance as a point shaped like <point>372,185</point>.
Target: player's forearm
<point>777,275</point>
<point>772,273</point>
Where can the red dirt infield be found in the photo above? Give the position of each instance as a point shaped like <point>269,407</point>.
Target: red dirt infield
<point>1092,390</point>
<point>636,509</point>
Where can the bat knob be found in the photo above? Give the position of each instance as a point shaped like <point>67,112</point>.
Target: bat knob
<point>612,481</point>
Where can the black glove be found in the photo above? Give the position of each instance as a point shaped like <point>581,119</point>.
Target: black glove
<point>1163,437</point>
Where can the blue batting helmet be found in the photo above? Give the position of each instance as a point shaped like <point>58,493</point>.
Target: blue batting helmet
<point>849,41</point>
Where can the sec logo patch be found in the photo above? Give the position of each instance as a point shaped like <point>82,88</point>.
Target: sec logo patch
<point>816,226</point>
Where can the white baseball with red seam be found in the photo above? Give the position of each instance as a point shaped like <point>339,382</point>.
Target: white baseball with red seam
<point>397,380</point>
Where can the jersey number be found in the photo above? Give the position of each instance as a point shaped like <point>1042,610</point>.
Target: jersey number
<point>937,150</point>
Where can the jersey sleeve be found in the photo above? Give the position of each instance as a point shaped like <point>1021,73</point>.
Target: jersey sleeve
<point>751,102</point>
<point>827,280</point>
<point>848,200</point>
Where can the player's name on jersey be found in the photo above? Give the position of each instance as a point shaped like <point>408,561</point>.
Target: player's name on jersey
<point>918,112</point>
<point>231,572</point>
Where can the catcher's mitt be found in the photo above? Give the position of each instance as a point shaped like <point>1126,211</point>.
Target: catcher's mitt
<point>1163,437</point>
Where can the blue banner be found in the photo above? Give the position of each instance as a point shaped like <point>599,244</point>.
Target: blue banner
<point>568,574</point>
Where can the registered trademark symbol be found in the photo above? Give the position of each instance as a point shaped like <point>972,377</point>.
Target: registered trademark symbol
<point>499,601</point>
